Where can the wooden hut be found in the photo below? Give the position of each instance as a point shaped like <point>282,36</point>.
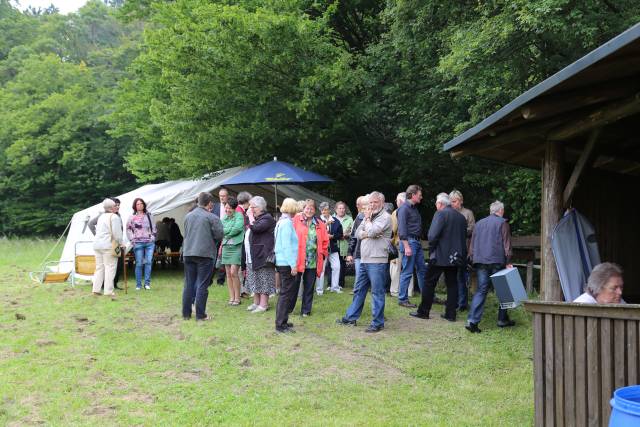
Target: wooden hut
<point>581,128</point>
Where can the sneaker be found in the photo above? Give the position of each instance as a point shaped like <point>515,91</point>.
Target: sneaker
<point>138,288</point>
<point>252,307</point>
<point>260,309</point>
<point>374,329</point>
<point>336,291</point>
<point>306,314</point>
<point>319,293</point>
<point>343,321</point>
<point>473,328</point>
<point>147,287</point>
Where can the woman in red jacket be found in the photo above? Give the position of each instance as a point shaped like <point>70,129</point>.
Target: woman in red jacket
<point>313,243</point>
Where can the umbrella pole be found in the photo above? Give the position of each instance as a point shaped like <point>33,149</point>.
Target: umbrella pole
<point>276,207</point>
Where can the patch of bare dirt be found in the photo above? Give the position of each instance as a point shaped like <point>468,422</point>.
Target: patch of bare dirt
<point>45,342</point>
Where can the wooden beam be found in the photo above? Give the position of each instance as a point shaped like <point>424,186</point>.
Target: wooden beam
<point>600,117</point>
<point>585,157</point>
<point>552,180</point>
<point>550,105</point>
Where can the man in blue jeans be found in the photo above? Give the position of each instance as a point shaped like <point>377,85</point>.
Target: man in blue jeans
<point>374,234</point>
<point>490,252</point>
<point>202,233</point>
<point>463,274</point>
<point>409,232</point>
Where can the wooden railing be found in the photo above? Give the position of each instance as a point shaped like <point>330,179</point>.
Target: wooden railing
<point>581,354</point>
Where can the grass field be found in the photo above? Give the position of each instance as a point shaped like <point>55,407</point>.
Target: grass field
<point>76,359</point>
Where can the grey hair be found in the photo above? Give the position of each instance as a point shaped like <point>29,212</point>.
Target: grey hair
<point>378,195</point>
<point>444,199</point>
<point>324,205</point>
<point>600,275</point>
<point>243,197</point>
<point>204,199</point>
<point>108,204</point>
<point>402,196</point>
<point>260,202</point>
<point>496,207</point>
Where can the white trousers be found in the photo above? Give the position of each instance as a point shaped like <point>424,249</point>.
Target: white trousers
<point>334,261</point>
<point>106,265</point>
<point>394,268</point>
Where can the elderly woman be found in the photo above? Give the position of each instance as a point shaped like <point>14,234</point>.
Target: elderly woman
<point>141,232</point>
<point>108,230</point>
<point>286,250</point>
<point>604,285</point>
<point>334,230</point>
<point>313,243</point>
<point>233,223</point>
<point>259,245</point>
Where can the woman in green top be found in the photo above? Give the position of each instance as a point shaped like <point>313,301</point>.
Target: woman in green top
<point>233,223</point>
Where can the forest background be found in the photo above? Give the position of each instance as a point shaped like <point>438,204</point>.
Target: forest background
<point>121,93</point>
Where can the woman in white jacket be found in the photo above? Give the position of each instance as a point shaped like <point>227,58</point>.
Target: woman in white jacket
<point>108,229</point>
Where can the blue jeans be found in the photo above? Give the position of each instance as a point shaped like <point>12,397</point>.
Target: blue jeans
<point>484,282</point>
<point>198,272</point>
<point>408,262</point>
<point>463,290</point>
<point>356,262</point>
<point>144,257</point>
<point>369,276</point>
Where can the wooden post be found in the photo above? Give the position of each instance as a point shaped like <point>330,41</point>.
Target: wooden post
<point>552,188</point>
<point>529,277</point>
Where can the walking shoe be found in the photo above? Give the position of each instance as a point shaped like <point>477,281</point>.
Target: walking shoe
<point>473,328</point>
<point>319,293</point>
<point>260,309</point>
<point>506,324</point>
<point>147,287</point>
<point>252,307</point>
<point>445,317</point>
<point>336,291</point>
<point>289,325</point>
<point>138,288</point>
<point>345,322</point>
<point>419,315</point>
<point>374,329</point>
<point>286,330</point>
<point>306,314</point>
<point>406,304</point>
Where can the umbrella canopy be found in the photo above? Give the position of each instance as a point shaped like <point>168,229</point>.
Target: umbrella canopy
<point>276,172</point>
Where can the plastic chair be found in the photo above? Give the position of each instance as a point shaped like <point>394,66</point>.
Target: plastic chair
<point>50,273</point>
<point>82,264</point>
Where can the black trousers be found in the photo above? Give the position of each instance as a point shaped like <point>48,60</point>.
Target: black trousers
<point>289,287</point>
<point>343,268</point>
<point>308,289</point>
<point>431,280</point>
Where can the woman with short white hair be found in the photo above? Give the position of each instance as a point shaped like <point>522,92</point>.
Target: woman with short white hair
<point>604,285</point>
<point>108,236</point>
<point>259,249</point>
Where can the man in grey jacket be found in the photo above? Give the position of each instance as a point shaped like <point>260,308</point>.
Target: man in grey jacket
<point>203,231</point>
<point>374,234</point>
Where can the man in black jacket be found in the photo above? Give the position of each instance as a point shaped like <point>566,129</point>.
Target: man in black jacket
<point>447,251</point>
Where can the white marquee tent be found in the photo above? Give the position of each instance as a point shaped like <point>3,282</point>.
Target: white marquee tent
<point>169,199</point>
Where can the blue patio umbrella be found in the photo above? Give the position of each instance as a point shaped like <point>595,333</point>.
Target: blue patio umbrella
<point>276,172</point>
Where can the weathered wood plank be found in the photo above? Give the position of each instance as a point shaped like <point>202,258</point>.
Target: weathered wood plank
<point>549,373</point>
<point>619,353</point>
<point>606,366</point>
<point>569,372</point>
<point>538,368</point>
<point>580,334</point>
<point>593,373</point>
<point>558,345</point>
<point>609,311</point>
<point>552,186</point>
<point>632,352</point>
<point>529,277</point>
<point>585,157</point>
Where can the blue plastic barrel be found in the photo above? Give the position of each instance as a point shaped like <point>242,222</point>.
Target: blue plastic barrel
<point>626,407</point>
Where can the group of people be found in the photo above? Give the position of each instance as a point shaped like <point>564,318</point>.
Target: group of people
<point>259,254</point>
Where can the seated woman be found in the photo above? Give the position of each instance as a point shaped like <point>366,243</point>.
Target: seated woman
<point>604,285</point>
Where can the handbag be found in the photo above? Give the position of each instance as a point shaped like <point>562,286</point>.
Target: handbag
<point>393,251</point>
<point>116,250</point>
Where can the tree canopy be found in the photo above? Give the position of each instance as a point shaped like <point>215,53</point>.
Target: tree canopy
<point>364,91</point>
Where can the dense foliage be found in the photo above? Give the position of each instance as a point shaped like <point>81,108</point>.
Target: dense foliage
<point>365,91</point>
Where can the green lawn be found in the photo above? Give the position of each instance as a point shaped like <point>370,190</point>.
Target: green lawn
<point>77,359</point>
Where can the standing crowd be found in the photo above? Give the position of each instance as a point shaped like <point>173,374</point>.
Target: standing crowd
<point>257,255</point>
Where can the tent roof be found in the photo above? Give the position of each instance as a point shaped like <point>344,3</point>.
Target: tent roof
<point>600,89</point>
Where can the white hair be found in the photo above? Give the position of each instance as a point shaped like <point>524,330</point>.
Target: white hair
<point>444,199</point>
<point>377,195</point>
<point>496,207</point>
<point>260,202</point>
<point>108,204</point>
<point>455,194</point>
<point>324,205</point>
<point>402,196</point>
